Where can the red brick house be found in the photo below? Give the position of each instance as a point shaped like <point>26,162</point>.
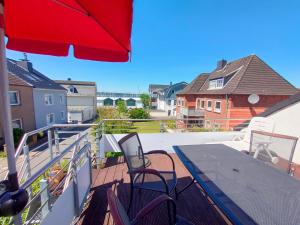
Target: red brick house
<point>221,97</point>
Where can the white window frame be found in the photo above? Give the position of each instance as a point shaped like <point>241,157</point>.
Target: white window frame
<point>18,97</point>
<point>218,110</point>
<point>209,108</point>
<point>216,84</point>
<point>21,122</point>
<point>47,101</point>
<point>198,101</point>
<point>202,107</point>
<point>48,121</point>
<point>62,115</point>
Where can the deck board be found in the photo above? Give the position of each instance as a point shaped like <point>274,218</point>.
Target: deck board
<point>192,204</point>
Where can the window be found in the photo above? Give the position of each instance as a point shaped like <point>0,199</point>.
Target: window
<point>202,104</point>
<point>61,99</point>
<point>169,102</point>
<point>50,118</point>
<point>17,123</point>
<point>198,104</point>
<point>62,115</point>
<point>209,105</point>
<point>72,89</point>
<point>217,106</point>
<point>14,98</point>
<point>175,102</point>
<point>49,99</point>
<point>216,84</point>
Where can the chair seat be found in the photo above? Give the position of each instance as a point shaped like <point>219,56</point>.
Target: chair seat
<point>182,221</point>
<point>153,182</point>
<point>137,162</point>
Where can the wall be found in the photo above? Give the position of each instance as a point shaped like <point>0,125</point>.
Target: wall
<point>238,108</point>
<point>41,109</point>
<point>287,122</point>
<point>24,111</point>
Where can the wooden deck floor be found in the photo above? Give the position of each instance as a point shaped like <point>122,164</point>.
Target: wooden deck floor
<point>191,204</point>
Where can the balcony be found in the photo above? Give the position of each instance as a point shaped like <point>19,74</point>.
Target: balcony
<point>192,112</point>
<point>81,151</point>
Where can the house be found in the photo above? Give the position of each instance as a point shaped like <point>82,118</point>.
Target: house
<point>81,100</point>
<point>153,92</point>
<point>49,98</point>
<point>22,107</point>
<point>235,91</point>
<point>111,99</point>
<point>166,98</point>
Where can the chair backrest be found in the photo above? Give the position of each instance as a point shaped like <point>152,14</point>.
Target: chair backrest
<point>116,209</point>
<point>275,149</point>
<point>258,124</point>
<point>133,152</point>
<point>113,142</point>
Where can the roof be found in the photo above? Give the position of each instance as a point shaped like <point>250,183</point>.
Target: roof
<point>281,105</point>
<point>158,86</point>
<point>87,83</point>
<point>171,90</point>
<point>195,85</point>
<point>14,80</point>
<point>246,75</point>
<point>31,76</point>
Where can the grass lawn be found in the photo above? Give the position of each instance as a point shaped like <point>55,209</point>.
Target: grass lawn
<point>2,154</point>
<point>146,127</point>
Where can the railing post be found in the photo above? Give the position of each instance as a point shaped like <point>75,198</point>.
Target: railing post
<point>98,148</point>
<point>56,140</point>
<point>50,143</point>
<point>27,161</point>
<point>161,124</point>
<point>75,190</point>
<point>44,197</point>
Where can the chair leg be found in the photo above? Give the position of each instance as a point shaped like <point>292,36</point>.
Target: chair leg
<point>176,193</point>
<point>186,187</point>
<point>131,198</point>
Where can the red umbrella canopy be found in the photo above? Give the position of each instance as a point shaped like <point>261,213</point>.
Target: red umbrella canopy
<point>97,29</point>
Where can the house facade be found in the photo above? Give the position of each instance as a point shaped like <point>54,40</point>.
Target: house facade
<point>110,99</point>
<point>154,89</point>
<point>49,98</point>
<point>22,107</point>
<point>166,98</point>
<point>81,100</point>
<point>233,93</point>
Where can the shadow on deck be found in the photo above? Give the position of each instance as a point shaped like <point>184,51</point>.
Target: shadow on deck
<point>192,204</point>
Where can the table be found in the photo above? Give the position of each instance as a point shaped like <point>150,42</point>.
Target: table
<point>246,190</point>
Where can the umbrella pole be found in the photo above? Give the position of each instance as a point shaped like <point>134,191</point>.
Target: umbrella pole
<point>6,111</point>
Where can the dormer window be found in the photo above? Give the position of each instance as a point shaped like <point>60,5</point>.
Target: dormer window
<point>72,89</point>
<point>216,84</point>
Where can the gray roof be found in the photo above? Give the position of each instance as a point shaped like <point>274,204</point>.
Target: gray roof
<point>170,91</point>
<point>86,83</point>
<point>246,75</point>
<point>31,76</point>
<point>158,86</point>
<point>281,105</point>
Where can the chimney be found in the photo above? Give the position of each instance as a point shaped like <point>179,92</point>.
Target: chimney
<point>171,83</point>
<point>25,63</point>
<point>221,63</point>
<point>69,79</point>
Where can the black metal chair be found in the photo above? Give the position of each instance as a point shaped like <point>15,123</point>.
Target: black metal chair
<point>120,216</point>
<point>142,177</point>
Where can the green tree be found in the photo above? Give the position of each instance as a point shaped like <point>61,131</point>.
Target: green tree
<point>121,106</point>
<point>145,100</point>
<point>138,114</point>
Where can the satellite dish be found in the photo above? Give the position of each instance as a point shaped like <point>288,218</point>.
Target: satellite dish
<point>253,99</point>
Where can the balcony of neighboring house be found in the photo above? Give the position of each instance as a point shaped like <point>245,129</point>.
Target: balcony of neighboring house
<point>91,162</point>
<point>192,112</point>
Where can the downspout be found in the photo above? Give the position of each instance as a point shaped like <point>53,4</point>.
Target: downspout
<point>227,107</point>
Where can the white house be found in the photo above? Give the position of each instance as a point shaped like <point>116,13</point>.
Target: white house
<point>81,100</point>
<point>110,99</point>
<point>166,98</point>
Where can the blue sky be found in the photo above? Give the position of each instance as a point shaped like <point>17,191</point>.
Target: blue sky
<point>174,40</point>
